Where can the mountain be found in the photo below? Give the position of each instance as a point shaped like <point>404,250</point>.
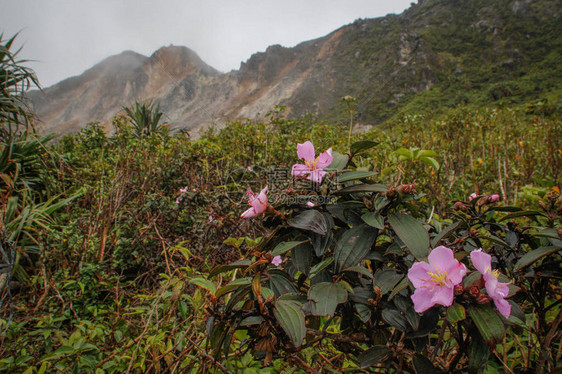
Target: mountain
<point>435,55</point>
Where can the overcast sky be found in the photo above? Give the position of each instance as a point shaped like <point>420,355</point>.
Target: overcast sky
<point>66,37</point>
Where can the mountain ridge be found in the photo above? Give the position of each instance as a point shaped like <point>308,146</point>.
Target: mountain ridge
<point>436,54</point>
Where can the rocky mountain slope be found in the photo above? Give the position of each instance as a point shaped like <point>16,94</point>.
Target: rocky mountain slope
<point>435,55</point>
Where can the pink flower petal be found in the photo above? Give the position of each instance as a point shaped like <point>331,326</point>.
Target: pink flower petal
<point>503,306</point>
<point>418,274</point>
<point>443,296</point>
<point>456,273</point>
<point>441,258</point>
<point>277,260</point>
<point>422,300</point>
<point>481,261</point>
<point>316,175</point>
<point>305,151</point>
<point>249,213</point>
<point>300,170</point>
<point>325,159</point>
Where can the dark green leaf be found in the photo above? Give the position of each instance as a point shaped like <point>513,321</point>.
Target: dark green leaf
<point>241,264</point>
<point>488,322</point>
<point>232,286</point>
<point>204,283</point>
<point>353,245</point>
<point>456,313</point>
<point>280,283</point>
<point>302,257</point>
<point>353,175</point>
<point>525,213</point>
<point>338,163</point>
<point>326,296</point>
<point>533,256</point>
<point>478,354</point>
<point>411,232</point>
<point>311,220</point>
<point>361,146</point>
<point>291,318</point>
<point>423,365</point>
<point>373,219</point>
<point>285,246</point>
<point>445,233</point>
<point>363,187</point>
<point>386,279</point>
<point>395,319</point>
<point>360,270</point>
<point>320,266</point>
<point>372,356</point>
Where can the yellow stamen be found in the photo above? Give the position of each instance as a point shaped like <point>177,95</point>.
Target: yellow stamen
<point>438,277</point>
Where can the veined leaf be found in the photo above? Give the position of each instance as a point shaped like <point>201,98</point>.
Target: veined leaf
<point>411,232</point>
<point>285,246</point>
<point>204,283</point>
<point>353,245</point>
<point>361,146</point>
<point>291,318</point>
<point>326,296</point>
<point>533,256</point>
<point>488,322</point>
<point>353,175</point>
<point>372,356</point>
<point>311,220</point>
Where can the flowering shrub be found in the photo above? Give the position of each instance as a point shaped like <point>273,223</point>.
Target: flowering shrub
<point>357,273</point>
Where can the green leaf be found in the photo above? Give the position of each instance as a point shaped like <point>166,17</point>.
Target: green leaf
<point>302,257</point>
<point>445,233</point>
<point>363,187</point>
<point>427,153</point>
<point>240,264</point>
<point>404,153</point>
<point>373,219</point>
<point>285,246</point>
<point>204,283</point>
<point>319,267</point>
<point>411,232</point>
<point>395,319</point>
<point>232,286</point>
<point>386,279</point>
<point>372,356</point>
<point>456,313</point>
<point>488,322</point>
<point>291,318</point>
<point>478,353</point>
<point>430,161</point>
<point>326,296</point>
<point>353,245</point>
<point>423,365</point>
<point>361,146</point>
<point>533,256</point>
<point>339,162</point>
<point>311,220</point>
<point>360,270</point>
<point>525,213</point>
<point>347,176</point>
<point>280,282</point>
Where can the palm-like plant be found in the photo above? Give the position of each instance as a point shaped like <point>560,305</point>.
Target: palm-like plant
<point>145,118</point>
<point>15,80</point>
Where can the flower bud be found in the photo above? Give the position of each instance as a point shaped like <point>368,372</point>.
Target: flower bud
<point>459,289</point>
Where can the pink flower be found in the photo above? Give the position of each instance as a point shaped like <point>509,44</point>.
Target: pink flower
<point>250,169</point>
<point>310,204</point>
<point>178,200</point>
<point>435,281</point>
<point>496,290</point>
<point>277,260</point>
<point>313,167</point>
<point>183,190</point>
<point>472,196</point>
<point>257,202</point>
<point>493,198</point>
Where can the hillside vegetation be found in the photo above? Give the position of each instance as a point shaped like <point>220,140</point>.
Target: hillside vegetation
<point>294,244</point>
